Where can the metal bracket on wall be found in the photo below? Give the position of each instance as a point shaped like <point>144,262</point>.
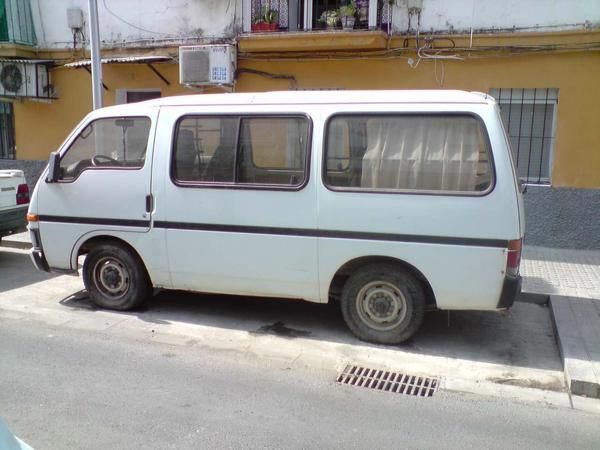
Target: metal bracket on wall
<point>87,69</point>
<point>158,74</point>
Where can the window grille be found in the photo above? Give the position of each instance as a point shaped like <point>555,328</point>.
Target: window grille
<point>7,131</point>
<point>529,117</point>
<point>275,12</point>
<point>295,15</point>
<point>319,8</point>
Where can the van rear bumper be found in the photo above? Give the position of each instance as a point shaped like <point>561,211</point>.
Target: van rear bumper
<point>510,291</point>
<point>38,259</point>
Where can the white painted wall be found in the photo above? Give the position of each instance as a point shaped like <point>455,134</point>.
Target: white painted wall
<point>138,21</point>
<point>522,15</point>
<point>152,22</point>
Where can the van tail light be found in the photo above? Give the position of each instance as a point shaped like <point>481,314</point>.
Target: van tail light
<point>22,194</point>
<point>514,257</point>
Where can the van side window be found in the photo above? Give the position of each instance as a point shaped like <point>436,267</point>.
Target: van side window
<point>242,150</point>
<point>425,152</point>
<point>116,142</point>
<point>273,150</point>
<point>205,149</point>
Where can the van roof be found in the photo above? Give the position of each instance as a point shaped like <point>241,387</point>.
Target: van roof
<point>326,97</point>
<point>322,97</point>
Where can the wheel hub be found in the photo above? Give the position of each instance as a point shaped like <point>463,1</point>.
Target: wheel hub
<point>111,277</point>
<point>381,305</point>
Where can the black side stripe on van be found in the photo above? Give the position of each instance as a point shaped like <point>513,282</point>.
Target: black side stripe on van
<point>95,221</point>
<point>335,234</point>
<point>278,231</point>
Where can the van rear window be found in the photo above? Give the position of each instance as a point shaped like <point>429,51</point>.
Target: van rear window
<point>419,152</point>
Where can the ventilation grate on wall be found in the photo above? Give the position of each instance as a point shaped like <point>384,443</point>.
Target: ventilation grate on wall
<point>383,380</point>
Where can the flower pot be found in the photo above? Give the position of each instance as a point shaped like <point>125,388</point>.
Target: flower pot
<point>347,22</point>
<point>264,26</point>
<point>363,14</point>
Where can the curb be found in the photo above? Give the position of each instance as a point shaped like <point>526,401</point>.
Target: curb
<point>14,243</point>
<point>534,298</point>
<point>575,323</point>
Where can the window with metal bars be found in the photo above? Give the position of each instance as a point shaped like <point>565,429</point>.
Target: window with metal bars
<point>329,13</point>
<point>529,117</point>
<point>7,131</point>
<point>294,15</point>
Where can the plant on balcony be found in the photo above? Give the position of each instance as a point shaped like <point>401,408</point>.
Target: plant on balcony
<point>330,18</point>
<point>362,9</point>
<point>268,20</point>
<point>348,15</point>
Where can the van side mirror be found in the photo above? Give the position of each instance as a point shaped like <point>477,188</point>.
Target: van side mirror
<point>53,168</point>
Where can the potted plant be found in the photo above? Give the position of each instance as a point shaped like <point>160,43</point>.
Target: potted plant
<point>268,20</point>
<point>330,18</point>
<point>362,9</point>
<point>348,15</point>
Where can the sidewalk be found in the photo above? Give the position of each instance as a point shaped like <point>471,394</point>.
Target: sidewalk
<point>573,273</point>
<point>569,281</point>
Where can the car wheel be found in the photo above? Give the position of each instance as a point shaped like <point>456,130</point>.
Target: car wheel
<point>115,277</point>
<point>383,304</point>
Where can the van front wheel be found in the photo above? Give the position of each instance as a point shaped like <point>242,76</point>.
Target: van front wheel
<point>383,303</point>
<point>115,277</point>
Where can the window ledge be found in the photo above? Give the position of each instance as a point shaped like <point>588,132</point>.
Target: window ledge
<point>12,50</point>
<point>307,41</point>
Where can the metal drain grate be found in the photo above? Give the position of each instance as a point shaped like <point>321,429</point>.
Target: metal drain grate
<point>383,380</point>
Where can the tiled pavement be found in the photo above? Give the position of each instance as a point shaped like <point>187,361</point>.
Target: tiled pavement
<point>572,280</point>
<point>574,273</point>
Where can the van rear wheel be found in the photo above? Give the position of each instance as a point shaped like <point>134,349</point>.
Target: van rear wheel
<point>383,304</point>
<point>115,277</point>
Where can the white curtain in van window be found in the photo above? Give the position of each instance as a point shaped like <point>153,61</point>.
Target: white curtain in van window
<point>421,153</point>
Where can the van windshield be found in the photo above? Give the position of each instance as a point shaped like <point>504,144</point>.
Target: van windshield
<point>116,142</point>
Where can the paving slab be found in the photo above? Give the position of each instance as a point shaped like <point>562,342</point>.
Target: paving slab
<point>577,325</point>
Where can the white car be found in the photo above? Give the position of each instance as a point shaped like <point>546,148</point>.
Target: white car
<point>14,201</point>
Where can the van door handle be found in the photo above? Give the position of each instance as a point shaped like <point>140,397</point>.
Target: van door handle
<point>149,203</point>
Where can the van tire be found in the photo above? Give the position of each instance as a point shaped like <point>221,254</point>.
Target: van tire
<point>115,277</point>
<point>383,303</point>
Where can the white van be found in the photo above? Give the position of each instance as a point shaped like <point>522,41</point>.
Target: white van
<point>392,202</point>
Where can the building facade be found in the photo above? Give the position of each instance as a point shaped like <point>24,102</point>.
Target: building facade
<point>539,58</point>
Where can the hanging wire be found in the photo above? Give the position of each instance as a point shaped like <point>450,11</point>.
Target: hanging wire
<point>116,16</point>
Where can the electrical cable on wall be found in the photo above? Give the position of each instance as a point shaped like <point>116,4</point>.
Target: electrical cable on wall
<point>292,79</point>
<point>116,16</point>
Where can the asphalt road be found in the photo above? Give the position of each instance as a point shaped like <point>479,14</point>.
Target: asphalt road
<point>64,388</point>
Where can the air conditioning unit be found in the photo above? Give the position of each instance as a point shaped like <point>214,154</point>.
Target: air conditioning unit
<point>207,65</point>
<point>22,78</point>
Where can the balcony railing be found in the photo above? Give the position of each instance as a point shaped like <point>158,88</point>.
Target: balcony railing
<point>307,15</point>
